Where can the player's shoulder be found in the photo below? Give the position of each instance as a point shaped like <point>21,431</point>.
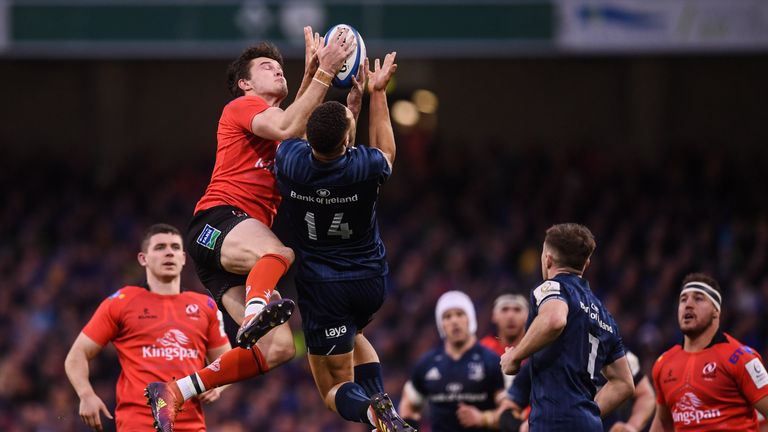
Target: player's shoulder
<point>199,298</point>
<point>668,356</point>
<point>292,145</point>
<point>246,101</point>
<point>491,342</point>
<point>734,351</point>
<point>431,357</point>
<point>288,153</point>
<point>546,289</point>
<point>127,292</point>
<point>196,296</point>
<point>368,155</point>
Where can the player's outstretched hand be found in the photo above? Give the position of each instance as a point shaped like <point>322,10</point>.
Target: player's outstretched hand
<point>331,56</point>
<point>379,77</point>
<point>90,407</point>
<point>509,364</point>
<point>210,396</point>
<point>469,416</point>
<point>355,96</point>
<point>311,45</point>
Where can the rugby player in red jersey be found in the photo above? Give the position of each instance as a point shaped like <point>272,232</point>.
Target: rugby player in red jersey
<point>510,312</point>
<point>710,382</point>
<point>237,256</point>
<point>159,332</point>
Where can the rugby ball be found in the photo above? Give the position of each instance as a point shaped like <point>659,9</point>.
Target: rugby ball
<point>343,79</point>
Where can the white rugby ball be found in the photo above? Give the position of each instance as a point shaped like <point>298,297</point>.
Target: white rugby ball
<point>352,64</point>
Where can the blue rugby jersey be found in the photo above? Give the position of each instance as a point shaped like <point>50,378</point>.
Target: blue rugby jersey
<point>331,207</point>
<point>473,379</point>
<point>563,373</point>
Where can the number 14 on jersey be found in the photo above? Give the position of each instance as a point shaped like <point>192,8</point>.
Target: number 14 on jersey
<point>337,228</point>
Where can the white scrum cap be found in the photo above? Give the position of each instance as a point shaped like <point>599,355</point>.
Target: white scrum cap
<point>455,300</point>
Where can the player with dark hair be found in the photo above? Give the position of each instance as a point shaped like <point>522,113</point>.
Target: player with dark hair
<point>159,332</point>
<point>460,380</point>
<point>238,258</point>
<point>510,312</point>
<point>330,189</point>
<point>710,381</point>
<point>571,337</point>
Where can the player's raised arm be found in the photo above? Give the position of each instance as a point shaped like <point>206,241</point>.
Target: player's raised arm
<point>76,367</point>
<point>355,96</point>
<point>277,124</point>
<point>311,45</point>
<point>382,136</point>
<point>618,388</point>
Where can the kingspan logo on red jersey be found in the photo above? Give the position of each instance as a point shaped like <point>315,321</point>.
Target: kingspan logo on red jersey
<point>688,409</point>
<point>172,346</point>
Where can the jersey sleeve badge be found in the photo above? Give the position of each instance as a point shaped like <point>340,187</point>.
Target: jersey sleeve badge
<point>117,295</point>
<point>545,290</point>
<point>757,372</point>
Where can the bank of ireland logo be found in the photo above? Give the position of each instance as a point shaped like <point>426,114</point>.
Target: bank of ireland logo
<point>324,193</point>
<point>208,236</point>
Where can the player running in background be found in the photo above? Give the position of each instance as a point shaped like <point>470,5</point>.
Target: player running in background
<point>570,339</point>
<point>460,380</point>
<point>238,258</point>
<point>330,189</point>
<point>710,381</point>
<point>159,332</point>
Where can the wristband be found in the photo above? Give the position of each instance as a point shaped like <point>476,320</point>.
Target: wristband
<point>322,83</point>
<point>330,77</point>
<point>323,77</point>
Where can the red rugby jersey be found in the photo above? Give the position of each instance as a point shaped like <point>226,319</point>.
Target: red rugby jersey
<point>158,338</point>
<point>714,389</point>
<point>494,344</point>
<point>242,176</point>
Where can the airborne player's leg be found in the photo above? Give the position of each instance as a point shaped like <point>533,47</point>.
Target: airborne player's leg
<point>333,313</point>
<point>238,246</point>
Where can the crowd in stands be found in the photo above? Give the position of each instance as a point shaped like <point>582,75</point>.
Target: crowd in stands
<point>452,217</point>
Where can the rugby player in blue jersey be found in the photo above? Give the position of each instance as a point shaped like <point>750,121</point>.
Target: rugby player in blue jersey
<point>460,380</point>
<point>637,414</point>
<point>571,338</point>
<point>330,189</point>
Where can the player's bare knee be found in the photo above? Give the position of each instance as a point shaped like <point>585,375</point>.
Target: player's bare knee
<point>284,251</point>
<point>239,258</point>
<point>281,350</point>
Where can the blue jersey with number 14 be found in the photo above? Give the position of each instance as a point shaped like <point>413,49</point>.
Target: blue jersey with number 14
<point>562,374</point>
<point>331,207</point>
